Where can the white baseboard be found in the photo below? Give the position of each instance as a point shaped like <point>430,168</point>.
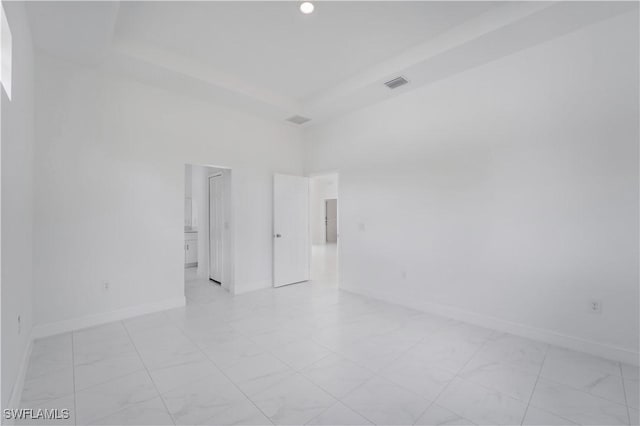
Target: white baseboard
<point>544,335</point>
<point>16,392</point>
<point>50,329</point>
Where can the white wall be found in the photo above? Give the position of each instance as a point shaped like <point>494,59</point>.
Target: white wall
<point>321,188</point>
<point>507,193</point>
<point>17,201</point>
<point>110,157</point>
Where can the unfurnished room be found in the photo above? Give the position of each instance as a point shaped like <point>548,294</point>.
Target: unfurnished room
<point>320,213</point>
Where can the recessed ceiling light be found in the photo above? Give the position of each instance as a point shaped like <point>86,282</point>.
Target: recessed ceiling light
<point>306,7</point>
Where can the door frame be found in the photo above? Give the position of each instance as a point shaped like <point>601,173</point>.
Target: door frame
<point>229,236</point>
<point>222,236</point>
<point>338,198</point>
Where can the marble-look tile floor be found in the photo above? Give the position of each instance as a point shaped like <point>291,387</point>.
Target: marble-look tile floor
<point>313,354</point>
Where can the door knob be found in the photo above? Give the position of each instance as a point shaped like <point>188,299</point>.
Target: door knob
<point>278,235</point>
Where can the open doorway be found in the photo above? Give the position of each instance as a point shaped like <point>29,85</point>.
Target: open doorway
<point>216,226</point>
<point>207,232</point>
<point>331,220</point>
<point>325,234</point>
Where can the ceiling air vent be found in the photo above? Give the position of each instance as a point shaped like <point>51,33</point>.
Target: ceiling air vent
<point>396,82</point>
<point>298,119</point>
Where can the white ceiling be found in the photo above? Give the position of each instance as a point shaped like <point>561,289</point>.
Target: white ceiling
<point>79,31</point>
<point>269,59</point>
<point>274,46</point>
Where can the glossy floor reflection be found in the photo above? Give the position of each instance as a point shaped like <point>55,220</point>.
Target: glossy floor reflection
<point>312,354</point>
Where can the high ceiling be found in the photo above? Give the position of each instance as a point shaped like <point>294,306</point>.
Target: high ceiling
<point>269,59</point>
<point>273,46</point>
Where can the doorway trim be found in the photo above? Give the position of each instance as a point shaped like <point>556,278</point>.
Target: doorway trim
<point>228,281</point>
<point>221,222</point>
<point>338,197</point>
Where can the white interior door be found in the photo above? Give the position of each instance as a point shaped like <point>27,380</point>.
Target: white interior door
<point>216,224</point>
<point>291,246</point>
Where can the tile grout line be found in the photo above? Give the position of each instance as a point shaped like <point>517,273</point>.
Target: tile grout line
<point>484,343</point>
<point>624,390</point>
<point>224,374</point>
<point>544,359</point>
<point>581,390</point>
<point>375,375</point>
<point>323,411</point>
<point>148,374</point>
<point>353,390</point>
<point>546,410</point>
<point>73,367</point>
<point>111,379</point>
<point>339,399</point>
<point>238,388</point>
<point>339,355</point>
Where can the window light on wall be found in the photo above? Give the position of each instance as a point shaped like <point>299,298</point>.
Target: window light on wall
<point>5,53</point>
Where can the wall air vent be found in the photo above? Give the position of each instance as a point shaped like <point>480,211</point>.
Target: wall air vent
<point>396,82</point>
<point>298,119</point>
